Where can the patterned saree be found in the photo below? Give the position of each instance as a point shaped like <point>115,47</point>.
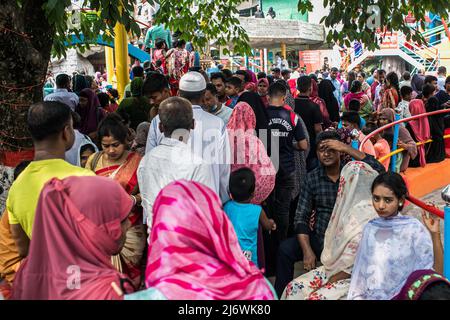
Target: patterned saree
<point>129,261</point>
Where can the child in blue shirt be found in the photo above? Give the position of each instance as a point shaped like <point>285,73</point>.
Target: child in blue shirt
<point>244,215</point>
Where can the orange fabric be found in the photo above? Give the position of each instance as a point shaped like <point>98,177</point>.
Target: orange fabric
<point>127,175</point>
<point>422,181</point>
<point>382,149</point>
<point>9,256</point>
<point>368,147</point>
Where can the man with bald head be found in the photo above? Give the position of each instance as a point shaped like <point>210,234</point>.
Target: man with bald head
<point>208,140</point>
<point>173,158</point>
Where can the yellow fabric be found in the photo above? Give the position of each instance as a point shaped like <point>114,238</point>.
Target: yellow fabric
<point>25,191</point>
<point>9,256</point>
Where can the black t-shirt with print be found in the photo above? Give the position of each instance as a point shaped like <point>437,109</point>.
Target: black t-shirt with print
<point>285,126</point>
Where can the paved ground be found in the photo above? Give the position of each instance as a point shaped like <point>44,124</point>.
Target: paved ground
<point>434,197</point>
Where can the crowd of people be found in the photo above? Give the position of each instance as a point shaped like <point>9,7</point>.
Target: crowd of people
<point>204,186</point>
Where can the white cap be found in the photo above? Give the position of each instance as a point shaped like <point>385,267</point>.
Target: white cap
<point>192,82</point>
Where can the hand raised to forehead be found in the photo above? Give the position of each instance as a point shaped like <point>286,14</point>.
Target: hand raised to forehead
<point>334,145</point>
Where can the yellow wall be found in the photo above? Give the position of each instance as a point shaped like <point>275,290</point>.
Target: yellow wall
<point>444,50</point>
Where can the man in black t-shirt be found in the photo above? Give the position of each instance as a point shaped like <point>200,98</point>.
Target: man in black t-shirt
<point>311,115</point>
<point>284,128</point>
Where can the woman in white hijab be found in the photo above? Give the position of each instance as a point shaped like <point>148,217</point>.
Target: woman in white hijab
<point>75,154</point>
<point>392,246</point>
<point>352,211</point>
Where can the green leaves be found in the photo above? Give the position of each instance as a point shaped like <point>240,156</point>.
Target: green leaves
<point>305,6</point>
<point>356,21</point>
<point>212,21</point>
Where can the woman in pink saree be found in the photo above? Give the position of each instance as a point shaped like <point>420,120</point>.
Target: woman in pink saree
<point>117,163</point>
<point>248,151</point>
<point>419,130</point>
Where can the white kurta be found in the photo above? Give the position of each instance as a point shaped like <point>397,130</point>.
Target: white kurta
<point>209,140</point>
<point>170,161</point>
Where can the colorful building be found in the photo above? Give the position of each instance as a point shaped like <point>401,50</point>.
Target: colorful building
<point>286,35</point>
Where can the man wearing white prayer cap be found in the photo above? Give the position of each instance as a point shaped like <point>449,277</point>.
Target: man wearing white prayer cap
<point>209,138</point>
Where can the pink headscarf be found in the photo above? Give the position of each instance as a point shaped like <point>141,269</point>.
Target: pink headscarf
<point>249,152</point>
<point>76,231</point>
<point>194,253</point>
<point>293,87</point>
<point>252,75</point>
<point>244,118</point>
<point>314,97</point>
<point>250,86</point>
<point>360,96</point>
<point>98,74</point>
<point>421,127</point>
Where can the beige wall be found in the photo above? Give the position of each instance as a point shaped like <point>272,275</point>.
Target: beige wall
<point>247,4</point>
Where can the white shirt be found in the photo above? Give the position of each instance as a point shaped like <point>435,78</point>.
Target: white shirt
<point>224,113</point>
<point>208,140</point>
<point>73,154</point>
<point>377,100</point>
<point>441,82</point>
<point>171,160</point>
<point>405,83</point>
<point>64,96</point>
<point>403,110</point>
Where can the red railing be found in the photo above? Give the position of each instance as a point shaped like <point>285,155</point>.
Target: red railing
<point>400,121</point>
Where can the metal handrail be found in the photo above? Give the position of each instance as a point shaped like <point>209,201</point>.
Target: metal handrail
<point>412,199</point>
<point>427,51</point>
<point>431,50</point>
<point>426,207</point>
<point>401,149</point>
<point>389,125</point>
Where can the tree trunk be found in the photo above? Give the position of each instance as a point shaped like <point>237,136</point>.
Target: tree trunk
<point>26,40</point>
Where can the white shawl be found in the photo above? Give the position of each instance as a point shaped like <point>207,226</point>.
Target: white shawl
<point>352,211</point>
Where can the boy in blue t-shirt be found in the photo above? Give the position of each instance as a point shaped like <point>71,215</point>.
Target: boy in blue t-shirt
<point>245,216</point>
